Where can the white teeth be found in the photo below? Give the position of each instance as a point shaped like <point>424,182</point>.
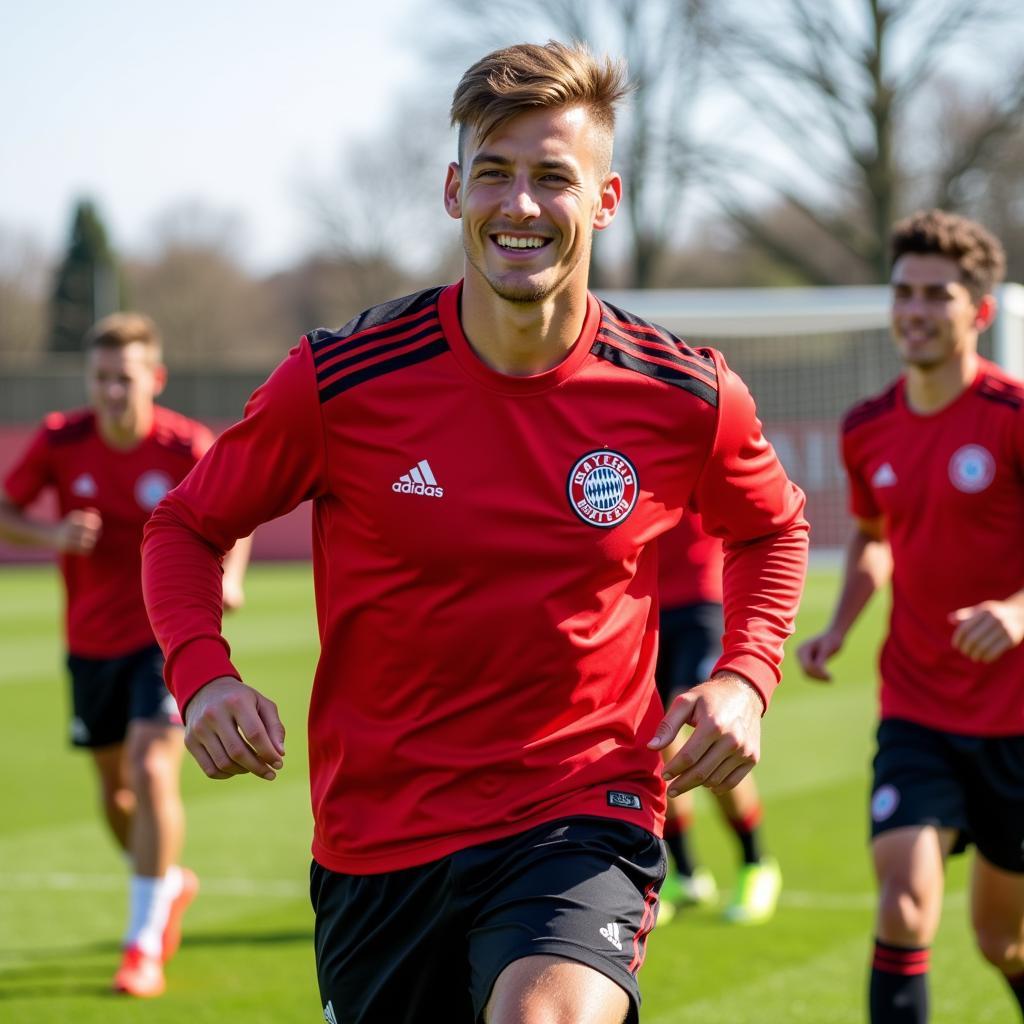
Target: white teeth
<point>511,242</point>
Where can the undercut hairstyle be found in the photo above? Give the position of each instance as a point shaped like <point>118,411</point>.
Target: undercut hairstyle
<point>121,329</point>
<point>976,251</point>
<point>528,77</point>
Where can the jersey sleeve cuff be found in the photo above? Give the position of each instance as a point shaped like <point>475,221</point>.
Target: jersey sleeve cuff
<point>196,664</point>
<point>761,676</point>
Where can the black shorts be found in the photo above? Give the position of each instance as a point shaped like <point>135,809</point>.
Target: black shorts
<point>108,693</point>
<point>428,942</point>
<point>972,784</point>
<point>689,644</point>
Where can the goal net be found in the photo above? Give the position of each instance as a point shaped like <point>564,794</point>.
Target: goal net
<point>807,355</point>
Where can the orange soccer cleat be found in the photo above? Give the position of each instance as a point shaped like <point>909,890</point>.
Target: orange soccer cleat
<point>139,975</point>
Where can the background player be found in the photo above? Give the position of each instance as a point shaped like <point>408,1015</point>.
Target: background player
<point>109,465</point>
<point>489,462</point>
<point>689,643</point>
<point>936,470</point>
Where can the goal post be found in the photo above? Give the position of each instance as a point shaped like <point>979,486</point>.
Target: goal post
<point>807,355</point>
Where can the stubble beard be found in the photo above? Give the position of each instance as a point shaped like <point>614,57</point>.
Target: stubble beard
<point>522,293</point>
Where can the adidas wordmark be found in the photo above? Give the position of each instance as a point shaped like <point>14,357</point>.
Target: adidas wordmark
<point>419,480</point>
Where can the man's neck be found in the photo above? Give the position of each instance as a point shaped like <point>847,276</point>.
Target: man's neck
<point>933,388</point>
<point>520,339</point>
<point>124,438</point>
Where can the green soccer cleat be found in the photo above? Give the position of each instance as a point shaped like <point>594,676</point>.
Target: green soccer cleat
<point>757,893</point>
<point>679,891</point>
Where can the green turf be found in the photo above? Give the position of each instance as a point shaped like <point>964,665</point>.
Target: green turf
<point>247,954</point>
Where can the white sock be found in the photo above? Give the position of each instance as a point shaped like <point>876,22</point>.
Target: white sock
<point>151,900</point>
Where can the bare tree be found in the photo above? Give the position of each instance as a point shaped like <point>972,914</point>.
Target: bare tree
<point>209,308</point>
<point>383,206</point>
<point>841,103</point>
<point>665,44</point>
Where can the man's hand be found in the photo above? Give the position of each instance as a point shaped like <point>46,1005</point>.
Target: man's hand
<point>231,729</point>
<point>814,653</point>
<point>988,630</point>
<point>725,713</point>
<point>78,531</point>
<point>233,595</point>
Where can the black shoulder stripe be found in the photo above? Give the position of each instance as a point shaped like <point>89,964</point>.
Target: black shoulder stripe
<point>655,349</point>
<point>329,344</point>
<point>870,409</point>
<point>396,313</point>
<point>676,376</point>
<point>70,433</point>
<point>656,340</point>
<point>339,360</point>
<point>994,390</point>
<point>350,380</point>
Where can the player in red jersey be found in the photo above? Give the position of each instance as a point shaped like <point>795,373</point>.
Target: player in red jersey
<point>936,470</point>
<point>109,466</point>
<point>689,643</point>
<point>489,463</point>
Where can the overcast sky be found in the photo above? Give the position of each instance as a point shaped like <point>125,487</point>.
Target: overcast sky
<point>145,104</point>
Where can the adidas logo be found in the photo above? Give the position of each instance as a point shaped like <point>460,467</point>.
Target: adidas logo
<point>884,476</point>
<point>611,933</point>
<point>329,1013</point>
<point>419,480</point>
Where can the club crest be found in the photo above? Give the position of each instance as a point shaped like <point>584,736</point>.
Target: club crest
<point>603,488</point>
<point>972,468</point>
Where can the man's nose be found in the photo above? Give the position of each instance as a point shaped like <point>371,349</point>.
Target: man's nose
<point>519,202</point>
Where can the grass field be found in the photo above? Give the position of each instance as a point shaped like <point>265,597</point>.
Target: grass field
<point>247,954</point>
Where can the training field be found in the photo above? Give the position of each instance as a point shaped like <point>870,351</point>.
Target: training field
<point>247,954</point>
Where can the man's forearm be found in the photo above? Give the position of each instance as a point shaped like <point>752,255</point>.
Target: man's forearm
<point>17,528</point>
<point>868,569</point>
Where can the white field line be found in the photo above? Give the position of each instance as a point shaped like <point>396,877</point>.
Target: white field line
<point>61,880</point>
<point>291,889</point>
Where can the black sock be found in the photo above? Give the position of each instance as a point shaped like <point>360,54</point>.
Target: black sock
<point>1016,984</point>
<point>677,839</point>
<point>748,832</point>
<point>899,984</point>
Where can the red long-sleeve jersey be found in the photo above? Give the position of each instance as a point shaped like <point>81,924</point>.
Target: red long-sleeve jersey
<point>486,589</point>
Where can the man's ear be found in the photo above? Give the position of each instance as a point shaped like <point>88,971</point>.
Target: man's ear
<point>453,191</point>
<point>986,312</point>
<point>611,196</point>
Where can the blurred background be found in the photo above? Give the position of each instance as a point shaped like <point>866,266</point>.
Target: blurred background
<point>246,172</point>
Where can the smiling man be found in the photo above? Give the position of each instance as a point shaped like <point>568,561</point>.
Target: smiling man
<point>936,469</point>
<point>489,463</point>
<point>108,466</point>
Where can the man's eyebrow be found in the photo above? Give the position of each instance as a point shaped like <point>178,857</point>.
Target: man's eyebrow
<point>496,159</point>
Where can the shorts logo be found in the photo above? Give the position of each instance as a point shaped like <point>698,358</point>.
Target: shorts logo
<point>884,802</point>
<point>603,488</point>
<point>972,468</point>
<point>611,933</point>
<point>329,1015</point>
<point>79,731</point>
<point>151,487</point>
<point>616,798</point>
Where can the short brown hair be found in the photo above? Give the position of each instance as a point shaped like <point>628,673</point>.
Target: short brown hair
<point>528,76</point>
<point>121,329</point>
<point>977,252</point>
